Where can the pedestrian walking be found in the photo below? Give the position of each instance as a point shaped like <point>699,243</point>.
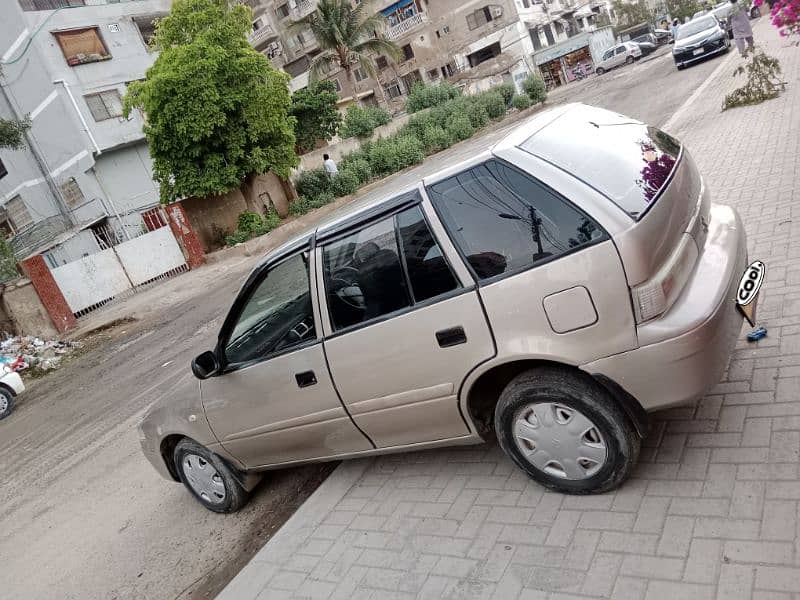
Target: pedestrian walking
<point>740,25</point>
<point>674,29</point>
<point>330,167</point>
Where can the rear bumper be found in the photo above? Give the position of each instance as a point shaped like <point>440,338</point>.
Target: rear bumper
<point>704,324</point>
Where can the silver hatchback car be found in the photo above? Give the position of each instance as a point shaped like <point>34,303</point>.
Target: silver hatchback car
<point>550,291</point>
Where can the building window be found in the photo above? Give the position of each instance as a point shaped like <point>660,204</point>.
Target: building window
<point>3,170</point>
<point>104,105</point>
<point>483,15</point>
<point>18,214</point>
<point>336,84</point>
<point>82,46</point>
<point>411,79</point>
<point>381,62</point>
<point>71,192</point>
<point>433,74</point>
<point>393,89</point>
<point>282,11</point>
<point>146,24</point>
<point>408,52</point>
<point>359,74</point>
<point>298,67</point>
<point>484,54</point>
<point>446,29</point>
<point>30,5</point>
<point>449,70</point>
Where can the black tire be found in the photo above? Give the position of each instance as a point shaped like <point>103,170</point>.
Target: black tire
<point>600,70</point>
<point>235,495</point>
<point>9,403</point>
<point>629,60</point>
<point>579,392</point>
<point>679,67</point>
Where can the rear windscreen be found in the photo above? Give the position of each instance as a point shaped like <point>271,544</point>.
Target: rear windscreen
<point>625,160</point>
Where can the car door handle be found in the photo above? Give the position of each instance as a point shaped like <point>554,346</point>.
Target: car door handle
<point>451,337</point>
<point>305,379</point>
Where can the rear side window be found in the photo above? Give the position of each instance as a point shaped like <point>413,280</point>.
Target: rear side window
<point>625,160</point>
<point>384,268</point>
<point>504,221</point>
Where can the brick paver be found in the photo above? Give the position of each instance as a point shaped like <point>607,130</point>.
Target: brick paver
<point>712,508</point>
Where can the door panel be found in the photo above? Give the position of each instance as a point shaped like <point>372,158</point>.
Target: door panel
<point>262,416</point>
<point>398,383</point>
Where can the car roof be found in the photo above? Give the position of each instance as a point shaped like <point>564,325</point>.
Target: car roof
<point>388,195</point>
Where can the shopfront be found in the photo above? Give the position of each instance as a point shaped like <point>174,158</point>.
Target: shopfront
<point>574,58</point>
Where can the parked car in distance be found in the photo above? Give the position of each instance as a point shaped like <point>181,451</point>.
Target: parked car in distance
<point>10,387</point>
<point>699,39</point>
<point>621,54</point>
<point>663,36</point>
<point>647,43</point>
<point>549,291</point>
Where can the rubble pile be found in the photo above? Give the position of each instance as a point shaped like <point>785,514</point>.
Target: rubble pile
<point>25,351</point>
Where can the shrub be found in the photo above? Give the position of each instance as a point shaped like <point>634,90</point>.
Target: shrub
<point>306,204</point>
<point>460,127</point>
<point>494,104</point>
<point>436,138</point>
<point>312,182</point>
<point>361,122</point>
<point>344,183</point>
<point>417,124</point>
<point>250,225</point>
<point>409,151</point>
<point>520,102</point>
<point>359,166</point>
<point>477,114</point>
<point>382,157</point>
<point>535,88</point>
<point>507,91</point>
<point>425,96</point>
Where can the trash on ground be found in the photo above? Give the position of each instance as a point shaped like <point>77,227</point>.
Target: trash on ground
<point>757,334</point>
<point>24,351</point>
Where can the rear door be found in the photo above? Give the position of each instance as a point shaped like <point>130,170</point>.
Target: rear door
<point>620,54</point>
<point>402,331</point>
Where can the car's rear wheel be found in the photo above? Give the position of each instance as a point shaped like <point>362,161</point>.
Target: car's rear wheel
<point>566,431</point>
<point>208,478</point>
<point>599,70</point>
<point>629,60</point>
<point>6,403</point>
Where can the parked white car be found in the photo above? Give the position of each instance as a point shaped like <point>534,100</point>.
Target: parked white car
<point>616,56</point>
<point>10,387</point>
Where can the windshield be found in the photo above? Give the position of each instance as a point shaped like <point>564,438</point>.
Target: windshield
<point>694,27</point>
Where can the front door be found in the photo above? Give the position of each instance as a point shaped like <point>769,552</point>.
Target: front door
<point>403,332</point>
<point>275,401</point>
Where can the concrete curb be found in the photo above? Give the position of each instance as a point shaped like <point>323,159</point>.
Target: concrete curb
<point>250,580</point>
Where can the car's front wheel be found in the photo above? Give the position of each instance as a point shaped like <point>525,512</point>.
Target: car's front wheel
<point>566,431</point>
<point>6,402</point>
<point>208,478</point>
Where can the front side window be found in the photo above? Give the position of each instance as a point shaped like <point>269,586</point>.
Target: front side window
<point>82,46</point>
<point>277,316</point>
<point>504,221</point>
<point>608,54</point>
<point>386,267</point>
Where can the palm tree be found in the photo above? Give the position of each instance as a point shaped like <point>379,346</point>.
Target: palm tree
<point>347,35</point>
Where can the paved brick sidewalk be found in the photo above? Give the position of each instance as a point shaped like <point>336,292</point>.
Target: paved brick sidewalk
<point>712,510</point>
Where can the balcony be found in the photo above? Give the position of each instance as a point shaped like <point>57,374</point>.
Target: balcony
<point>262,35</point>
<point>302,9</point>
<point>403,27</point>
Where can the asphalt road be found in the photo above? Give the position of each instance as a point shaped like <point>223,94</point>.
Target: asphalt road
<point>83,515</point>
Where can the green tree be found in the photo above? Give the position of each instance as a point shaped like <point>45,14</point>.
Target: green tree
<point>347,35</point>
<point>314,108</point>
<point>632,13</point>
<point>681,9</point>
<point>217,112</point>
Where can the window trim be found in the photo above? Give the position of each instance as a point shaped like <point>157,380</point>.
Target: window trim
<point>248,289</point>
<point>499,277</point>
<point>461,287</point>
<point>96,28</point>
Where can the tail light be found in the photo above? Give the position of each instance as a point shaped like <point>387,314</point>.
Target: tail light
<point>653,297</point>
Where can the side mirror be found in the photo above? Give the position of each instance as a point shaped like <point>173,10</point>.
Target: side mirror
<point>205,365</point>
